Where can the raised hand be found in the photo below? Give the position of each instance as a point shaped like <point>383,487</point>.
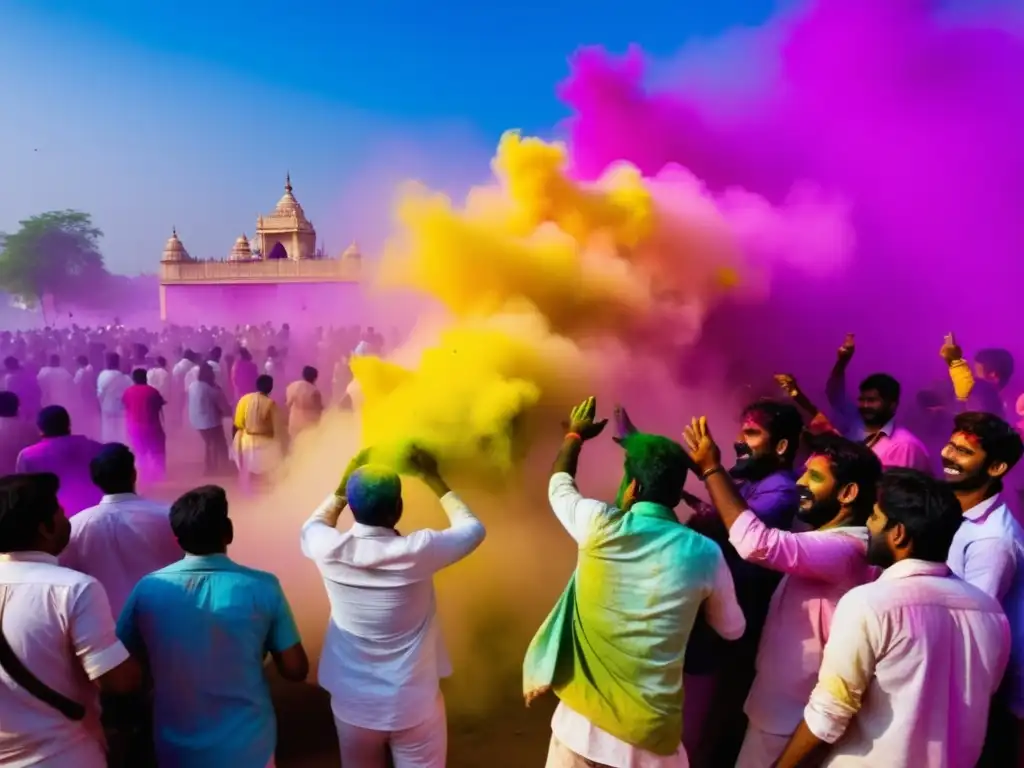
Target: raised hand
<point>581,420</point>
<point>950,350</point>
<point>622,424</point>
<point>700,446</point>
<point>787,383</point>
<point>421,462</point>
<point>845,352</point>
<point>361,459</point>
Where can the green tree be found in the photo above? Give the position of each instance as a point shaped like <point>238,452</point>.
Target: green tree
<point>53,254</point>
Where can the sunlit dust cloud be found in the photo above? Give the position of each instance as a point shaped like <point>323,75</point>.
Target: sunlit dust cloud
<point>543,276</point>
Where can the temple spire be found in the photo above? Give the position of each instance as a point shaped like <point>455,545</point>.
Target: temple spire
<point>288,182</point>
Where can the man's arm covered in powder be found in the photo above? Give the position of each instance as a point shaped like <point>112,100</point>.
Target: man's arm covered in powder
<point>574,512</point>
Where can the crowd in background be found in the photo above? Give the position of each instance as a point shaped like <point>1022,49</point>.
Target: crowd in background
<point>849,591</point>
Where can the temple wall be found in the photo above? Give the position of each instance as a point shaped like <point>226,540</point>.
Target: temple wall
<point>299,304</point>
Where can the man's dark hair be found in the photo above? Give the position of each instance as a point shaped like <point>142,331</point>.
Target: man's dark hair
<point>997,361</point>
<point>161,361</point>
<point>781,420</point>
<point>215,354</point>
<point>200,520</point>
<point>9,404</point>
<point>139,376</point>
<point>264,384</point>
<point>82,360</point>
<point>54,421</point>
<point>113,361</point>
<point>885,385</point>
<point>244,354</point>
<point>927,508</point>
<point>55,361</point>
<point>999,440</point>
<point>113,469</point>
<point>851,462</point>
<point>309,373</point>
<point>26,502</point>
<point>11,363</point>
<point>659,465</point>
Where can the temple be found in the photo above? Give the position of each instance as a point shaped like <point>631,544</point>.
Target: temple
<point>280,276</point>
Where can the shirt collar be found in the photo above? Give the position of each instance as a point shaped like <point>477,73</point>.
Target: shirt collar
<point>28,557</point>
<point>887,429</point>
<point>905,569</point>
<point>982,509</point>
<point>650,509</point>
<point>114,498</point>
<point>362,531</point>
<point>200,562</point>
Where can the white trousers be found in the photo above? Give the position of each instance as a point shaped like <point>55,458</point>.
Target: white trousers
<point>422,746</point>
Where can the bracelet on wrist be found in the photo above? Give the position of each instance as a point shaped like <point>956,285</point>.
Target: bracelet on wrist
<point>709,472</point>
<point>573,436</point>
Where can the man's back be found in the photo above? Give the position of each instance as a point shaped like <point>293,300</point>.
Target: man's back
<point>921,653</point>
<point>206,624</point>
<point>120,540</point>
<point>68,457</point>
<point>59,625</point>
<point>142,404</point>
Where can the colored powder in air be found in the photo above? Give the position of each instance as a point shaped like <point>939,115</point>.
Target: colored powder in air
<point>541,275</point>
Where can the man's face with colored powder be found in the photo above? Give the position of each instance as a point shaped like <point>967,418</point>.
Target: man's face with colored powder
<point>753,446</point>
<point>874,410</point>
<point>819,493</point>
<point>965,464</point>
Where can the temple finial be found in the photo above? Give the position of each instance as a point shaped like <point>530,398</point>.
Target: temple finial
<point>288,181</point>
<point>174,231</point>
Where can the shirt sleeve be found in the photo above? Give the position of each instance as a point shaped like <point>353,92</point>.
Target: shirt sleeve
<point>721,609</point>
<point>319,536</point>
<point>813,554</point>
<point>847,667</point>
<point>93,635</point>
<point>575,513</point>
<point>284,633</point>
<point>439,549</point>
<point>990,565</point>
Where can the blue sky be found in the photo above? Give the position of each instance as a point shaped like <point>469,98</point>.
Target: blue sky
<point>153,114</point>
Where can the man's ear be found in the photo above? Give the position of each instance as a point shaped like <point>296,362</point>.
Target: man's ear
<point>782,446</point>
<point>848,493</point>
<point>998,469</point>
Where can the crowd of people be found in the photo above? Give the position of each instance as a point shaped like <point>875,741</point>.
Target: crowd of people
<point>849,591</point>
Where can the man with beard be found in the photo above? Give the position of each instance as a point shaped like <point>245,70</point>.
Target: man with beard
<point>988,552</point>
<point>837,493</point>
<point>719,673</point>
<point>912,659</point>
<point>872,420</point>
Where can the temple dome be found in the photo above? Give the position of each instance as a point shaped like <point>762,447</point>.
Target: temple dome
<point>240,251</point>
<point>352,253</point>
<point>288,205</point>
<point>174,250</point>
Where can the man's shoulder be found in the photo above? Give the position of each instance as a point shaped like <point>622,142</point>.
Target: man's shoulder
<point>903,436</point>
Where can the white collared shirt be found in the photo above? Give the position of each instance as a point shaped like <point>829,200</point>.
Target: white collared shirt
<point>59,625</point>
<point>120,540</point>
<point>383,655</point>
<point>910,656</point>
<point>988,552</point>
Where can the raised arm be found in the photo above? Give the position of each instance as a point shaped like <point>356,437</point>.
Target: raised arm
<point>574,512</point>
<point>320,533</point>
<point>835,386</point>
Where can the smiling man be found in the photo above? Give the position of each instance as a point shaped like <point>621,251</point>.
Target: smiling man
<point>988,552</point>
<point>837,493</point>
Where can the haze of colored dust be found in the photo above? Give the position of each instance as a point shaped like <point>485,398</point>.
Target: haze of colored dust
<point>873,185</point>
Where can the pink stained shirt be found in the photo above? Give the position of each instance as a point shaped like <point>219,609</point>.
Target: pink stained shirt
<point>820,567</point>
<point>909,671</point>
<point>67,457</point>
<point>142,405</point>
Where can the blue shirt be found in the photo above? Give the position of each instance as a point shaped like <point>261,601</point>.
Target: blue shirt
<point>205,625</point>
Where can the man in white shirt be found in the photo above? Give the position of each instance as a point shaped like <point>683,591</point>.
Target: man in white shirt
<point>988,552</point>
<point>60,632</point>
<point>110,388</point>
<point>125,536</point>
<point>56,384</point>
<point>159,378</point>
<point>612,648</point>
<point>383,655</point>
<point>912,659</point>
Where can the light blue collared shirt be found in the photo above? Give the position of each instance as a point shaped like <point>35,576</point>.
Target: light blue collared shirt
<point>206,625</point>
